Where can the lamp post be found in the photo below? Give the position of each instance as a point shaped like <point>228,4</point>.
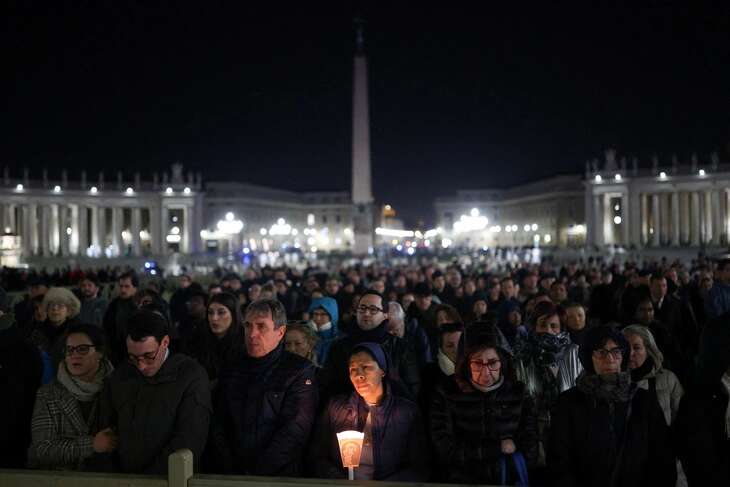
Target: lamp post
<point>230,226</point>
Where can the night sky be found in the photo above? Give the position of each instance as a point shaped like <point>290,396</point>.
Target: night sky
<point>460,98</point>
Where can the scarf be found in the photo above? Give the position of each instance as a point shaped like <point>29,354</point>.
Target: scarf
<point>644,371</point>
<point>611,388</point>
<point>726,383</point>
<point>376,335</point>
<point>491,388</point>
<point>544,349</point>
<point>445,364</point>
<point>85,391</point>
<point>327,326</point>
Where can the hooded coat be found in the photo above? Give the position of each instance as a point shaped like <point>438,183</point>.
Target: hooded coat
<point>326,337</point>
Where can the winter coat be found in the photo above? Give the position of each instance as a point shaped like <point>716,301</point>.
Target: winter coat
<point>155,416</point>
<point>717,301</point>
<point>468,426</point>
<point>115,326</point>
<point>93,310</point>
<point>400,450</point>
<point>263,418</point>
<point>668,391</point>
<point>62,437</point>
<point>702,442</point>
<point>20,375</point>
<point>583,432</point>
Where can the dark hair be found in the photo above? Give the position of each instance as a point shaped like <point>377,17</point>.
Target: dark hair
<point>374,293</point>
<point>451,312</point>
<point>92,279</point>
<point>449,328</point>
<point>131,276</point>
<point>96,335</point>
<point>572,304</point>
<point>230,302</point>
<point>147,323</point>
<point>544,309</point>
<point>657,276</point>
<point>722,263</point>
<point>476,339</point>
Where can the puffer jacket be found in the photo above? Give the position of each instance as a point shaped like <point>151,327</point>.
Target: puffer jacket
<point>399,441</point>
<point>669,391</point>
<point>468,426</point>
<point>154,416</point>
<point>263,418</point>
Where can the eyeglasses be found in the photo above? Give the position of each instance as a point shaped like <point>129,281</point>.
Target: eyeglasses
<point>148,358</point>
<point>80,349</point>
<point>372,310</point>
<point>603,354</point>
<point>56,304</point>
<point>494,364</point>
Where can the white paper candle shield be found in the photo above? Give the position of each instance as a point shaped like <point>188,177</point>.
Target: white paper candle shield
<point>350,447</point>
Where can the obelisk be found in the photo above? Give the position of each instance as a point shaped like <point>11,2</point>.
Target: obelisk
<point>362,194</point>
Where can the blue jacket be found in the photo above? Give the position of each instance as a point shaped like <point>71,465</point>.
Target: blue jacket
<point>326,337</point>
<point>400,448</point>
<point>717,302</point>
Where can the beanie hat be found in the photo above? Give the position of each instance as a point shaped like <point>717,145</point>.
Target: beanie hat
<point>594,339</point>
<point>375,351</point>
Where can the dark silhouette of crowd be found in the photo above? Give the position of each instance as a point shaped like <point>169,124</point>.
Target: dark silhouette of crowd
<point>586,373</point>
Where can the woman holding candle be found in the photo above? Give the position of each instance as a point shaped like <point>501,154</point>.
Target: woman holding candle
<point>394,446</point>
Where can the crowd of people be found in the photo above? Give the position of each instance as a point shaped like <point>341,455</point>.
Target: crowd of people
<point>582,374</point>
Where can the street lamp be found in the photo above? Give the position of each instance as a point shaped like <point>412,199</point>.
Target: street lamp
<point>230,226</point>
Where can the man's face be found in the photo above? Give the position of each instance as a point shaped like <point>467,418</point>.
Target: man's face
<point>185,282</point>
<point>126,289</point>
<point>332,287</point>
<point>261,335</point>
<point>378,286</point>
<point>450,344</point>
<point>320,317</point>
<point>558,293</point>
<point>439,282</point>
<point>645,313</point>
<point>454,278</point>
<point>575,318</point>
<point>658,288</point>
<point>530,282</point>
<point>147,355</point>
<point>423,302</point>
<point>508,289</point>
<point>88,289</point>
<point>370,312</point>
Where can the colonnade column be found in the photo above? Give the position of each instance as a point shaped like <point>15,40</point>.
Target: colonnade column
<point>656,223</point>
<point>707,217</point>
<point>136,228</point>
<point>63,236</point>
<point>695,219</point>
<point>717,218</point>
<point>155,230</point>
<point>95,237</point>
<point>675,219</point>
<point>626,220</point>
<point>684,218</point>
<point>75,239</point>
<point>164,230</point>
<point>102,230</point>
<point>117,242</point>
<point>644,219</point>
<point>598,220</point>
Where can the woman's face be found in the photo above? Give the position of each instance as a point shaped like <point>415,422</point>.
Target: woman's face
<point>57,312</point>
<point>638,351</point>
<point>39,313</point>
<point>442,317</point>
<point>480,308</point>
<point>295,342</point>
<point>320,317</point>
<point>515,318</point>
<point>485,367</point>
<point>548,324</point>
<point>81,357</point>
<point>219,319</point>
<point>607,360</point>
<point>365,374</point>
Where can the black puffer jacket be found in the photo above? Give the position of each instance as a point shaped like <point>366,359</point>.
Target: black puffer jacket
<point>468,426</point>
<point>399,441</point>
<point>264,412</point>
<point>584,432</point>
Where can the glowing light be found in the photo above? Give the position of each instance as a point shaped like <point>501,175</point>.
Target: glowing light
<point>617,177</point>
<point>474,212</point>
<point>446,243</point>
<point>246,250</point>
<point>536,238</point>
<point>281,227</point>
<point>311,241</point>
<point>399,247</point>
<point>19,187</point>
<point>229,227</point>
<point>702,172</point>
<point>94,190</point>
<point>471,223</point>
<point>310,219</point>
<point>69,231</point>
<point>534,227</point>
<point>598,178</point>
<point>508,229</point>
<point>144,235</point>
<point>173,238</point>
<point>347,231</point>
<point>388,207</point>
<point>186,190</point>
<point>411,251</point>
<point>174,219</point>
<point>427,243</point>
<point>526,227</point>
<point>617,208</point>
<point>295,232</point>
<point>263,231</point>
<point>662,175</point>
<point>56,189</point>
<point>129,191</point>
<point>175,230</point>
<point>432,232</point>
<point>617,220</point>
<point>229,216</point>
<point>391,232</point>
<point>547,238</point>
<point>168,190</point>
<point>514,228</point>
<point>280,221</point>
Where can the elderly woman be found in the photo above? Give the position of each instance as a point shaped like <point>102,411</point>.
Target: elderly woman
<point>606,431</point>
<point>62,308</point>
<point>301,339</point>
<point>394,447</point>
<point>217,344</point>
<point>65,416</point>
<point>547,363</point>
<point>481,413</point>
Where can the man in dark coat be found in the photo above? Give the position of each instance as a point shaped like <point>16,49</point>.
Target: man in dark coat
<point>117,315</point>
<point>265,402</point>
<point>20,375</point>
<point>372,326</point>
<point>157,402</point>
<point>702,430</point>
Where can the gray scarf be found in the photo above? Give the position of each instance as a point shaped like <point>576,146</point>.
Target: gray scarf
<point>611,388</point>
<point>84,391</point>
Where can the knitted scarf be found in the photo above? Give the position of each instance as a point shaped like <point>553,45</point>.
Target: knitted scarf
<point>85,391</point>
<point>611,388</point>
